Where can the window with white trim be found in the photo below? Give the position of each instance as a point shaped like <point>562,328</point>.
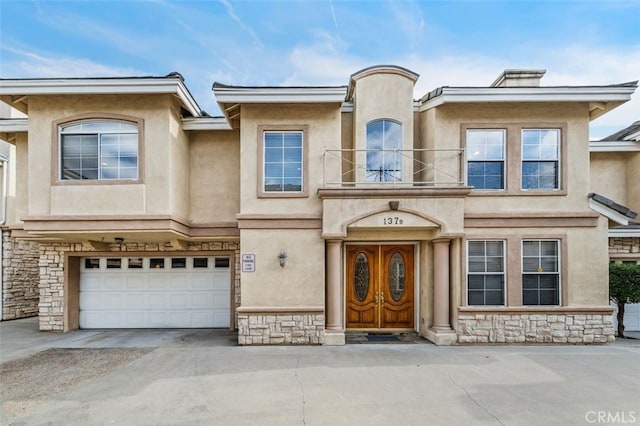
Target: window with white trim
<point>283,161</point>
<point>540,159</point>
<point>98,150</point>
<point>485,273</point>
<point>485,158</point>
<point>540,272</point>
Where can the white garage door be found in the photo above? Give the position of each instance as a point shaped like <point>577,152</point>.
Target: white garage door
<point>631,317</point>
<point>155,292</point>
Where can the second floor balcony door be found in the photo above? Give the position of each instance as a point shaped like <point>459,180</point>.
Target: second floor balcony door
<point>384,158</point>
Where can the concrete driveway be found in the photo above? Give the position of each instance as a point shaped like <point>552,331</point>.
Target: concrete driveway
<point>199,377</point>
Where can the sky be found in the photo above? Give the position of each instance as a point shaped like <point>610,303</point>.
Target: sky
<point>323,42</point>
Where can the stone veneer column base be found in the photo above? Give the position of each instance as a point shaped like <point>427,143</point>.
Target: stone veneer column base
<point>581,326</point>
<point>280,327</point>
<point>20,277</point>
<point>334,338</point>
<point>441,337</point>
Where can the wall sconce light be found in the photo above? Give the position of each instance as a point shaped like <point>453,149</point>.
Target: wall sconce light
<point>119,240</point>
<point>393,205</point>
<point>283,258</point>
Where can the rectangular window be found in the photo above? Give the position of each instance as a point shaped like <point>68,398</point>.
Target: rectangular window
<point>222,262</point>
<point>178,262</point>
<point>156,263</point>
<point>135,263</point>
<point>114,263</point>
<point>283,161</point>
<point>540,272</point>
<point>485,273</point>
<point>540,159</point>
<point>485,158</point>
<point>92,263</point>
<point>200,262</point>
<point>99,149</point>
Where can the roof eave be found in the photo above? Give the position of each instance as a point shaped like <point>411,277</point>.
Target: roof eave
<point>205,123</point>
<point>606,97</point>
<point>95,86</point>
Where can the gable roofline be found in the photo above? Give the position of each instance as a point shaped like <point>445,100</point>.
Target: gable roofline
<point>630,133</point>
<point>610,209</point>
<point>602,98</point>
<point>15,91</point>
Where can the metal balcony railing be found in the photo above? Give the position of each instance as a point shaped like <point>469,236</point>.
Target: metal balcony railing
<point>393,167</point>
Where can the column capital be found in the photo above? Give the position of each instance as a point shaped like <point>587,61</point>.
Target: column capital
<point>442,240</point>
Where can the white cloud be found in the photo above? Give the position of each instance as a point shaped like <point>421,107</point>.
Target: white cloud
<point>23,64</point>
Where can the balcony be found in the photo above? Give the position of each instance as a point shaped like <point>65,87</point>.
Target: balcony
<point>393,169</point>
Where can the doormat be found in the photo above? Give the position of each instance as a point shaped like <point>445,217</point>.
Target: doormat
<point>382,338</point>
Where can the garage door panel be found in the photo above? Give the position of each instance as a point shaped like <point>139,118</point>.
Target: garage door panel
<point>155,298</point>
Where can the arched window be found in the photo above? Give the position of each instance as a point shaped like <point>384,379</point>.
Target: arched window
<point>384,160</point>
<point>99,150</point>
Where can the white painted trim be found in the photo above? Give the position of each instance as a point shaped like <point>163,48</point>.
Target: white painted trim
<point>280,94</point>
<point>614,146</point>
<point>624,233</point>
<point>206,123</point>
<point>609,213</point>
<point>14,125</point>
<point>634,137</point>
<point>92,86</point>
<point>529,94</point>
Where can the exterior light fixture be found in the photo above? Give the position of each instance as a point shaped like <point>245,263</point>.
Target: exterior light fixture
<point>283,258</point>
<point>119,240</point>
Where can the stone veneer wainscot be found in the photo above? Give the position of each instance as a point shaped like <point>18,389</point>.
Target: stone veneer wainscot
<point>273,328</point>
<point>563,325</point>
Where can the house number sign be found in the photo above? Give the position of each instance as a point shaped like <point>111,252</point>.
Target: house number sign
<point>392,220</point>
<point>248,263</point>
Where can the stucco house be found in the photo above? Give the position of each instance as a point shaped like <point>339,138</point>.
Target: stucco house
<point>615,173</point>
<point>305,213</point>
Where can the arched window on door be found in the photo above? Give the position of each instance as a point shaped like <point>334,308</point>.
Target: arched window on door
<point>384,158</point>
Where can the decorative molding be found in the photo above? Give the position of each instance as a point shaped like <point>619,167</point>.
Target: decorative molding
<point>530,220</point>
<point>605,309</point>
<point>279,309</point>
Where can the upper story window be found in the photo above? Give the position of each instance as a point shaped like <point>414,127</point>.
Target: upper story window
<point>99,150</point>
<point>384,158</point>
<point>485,158</point>
<point>540,159</point>
<point>283,162</point>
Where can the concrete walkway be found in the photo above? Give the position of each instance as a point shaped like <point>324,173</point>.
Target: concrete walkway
<point>200,377</point>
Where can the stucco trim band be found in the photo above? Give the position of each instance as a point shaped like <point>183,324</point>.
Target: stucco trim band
<point>530,220</point>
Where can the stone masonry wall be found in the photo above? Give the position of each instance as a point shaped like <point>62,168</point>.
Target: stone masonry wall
<point>20,277</point>
<point>51,265</point>
<point>621,246</point>
<point>535,328</point>
<point>280,328</point>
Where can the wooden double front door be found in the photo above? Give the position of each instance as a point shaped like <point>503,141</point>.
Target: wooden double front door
<point>380,284</point>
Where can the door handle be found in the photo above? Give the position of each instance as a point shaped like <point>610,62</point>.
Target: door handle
<point>381,298</point>
<point>375,297</point>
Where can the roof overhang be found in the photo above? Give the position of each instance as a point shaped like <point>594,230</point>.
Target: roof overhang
<point>614,146</point>
<point>11,126</point>
<point>230,98</point>
<point>15,92</point>
<point>624,233</point>
<point>601,99</point>
<point>206,123</point>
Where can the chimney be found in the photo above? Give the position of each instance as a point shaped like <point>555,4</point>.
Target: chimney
<point>519,78</point>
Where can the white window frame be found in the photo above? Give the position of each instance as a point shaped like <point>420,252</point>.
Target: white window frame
<point>503,160</point>
<point>100,158</point>
<point>557,159</point>
<point>302,162</point>
<point>503,273</point>
<point>558,272</point>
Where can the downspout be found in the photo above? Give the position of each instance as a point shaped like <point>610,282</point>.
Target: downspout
<point>3,219</point>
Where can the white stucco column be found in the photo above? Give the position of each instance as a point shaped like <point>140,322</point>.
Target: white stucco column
<point>441,332</point>
<point>334,333</point>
